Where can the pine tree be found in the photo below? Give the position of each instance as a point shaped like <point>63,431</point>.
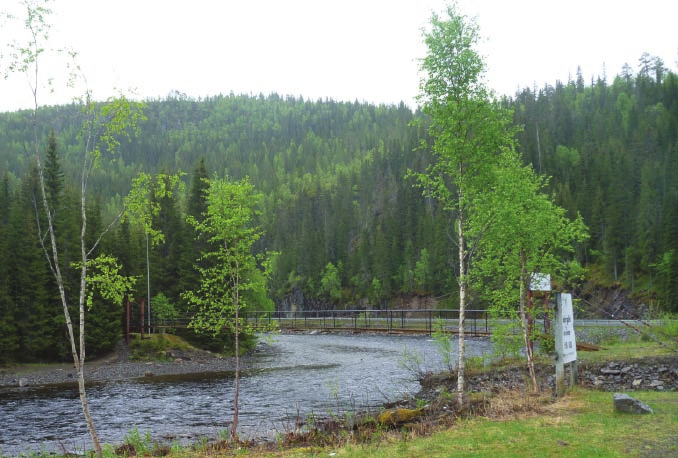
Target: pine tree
<point>8,323</point>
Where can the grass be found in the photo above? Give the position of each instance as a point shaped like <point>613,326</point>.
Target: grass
<point>581,424</point>
<point>652,341</point>
<point>155,346</point>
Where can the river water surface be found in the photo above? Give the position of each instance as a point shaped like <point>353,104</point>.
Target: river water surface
<point>304,375</point>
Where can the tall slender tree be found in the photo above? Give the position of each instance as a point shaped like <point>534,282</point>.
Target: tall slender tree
<point>230,282</point>
<point>469,131</point>
<point>533,236</point>
<point>102,124</point>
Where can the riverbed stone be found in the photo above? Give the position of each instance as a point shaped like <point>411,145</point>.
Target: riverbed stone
<point>607,371</point>
<point>626,404</point>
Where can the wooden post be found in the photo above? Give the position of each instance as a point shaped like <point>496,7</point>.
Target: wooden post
<point>574,373</point>
<point>566,347</point>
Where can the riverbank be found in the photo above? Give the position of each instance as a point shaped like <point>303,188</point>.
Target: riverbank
<point>120,366</point>
<point>616,367</point>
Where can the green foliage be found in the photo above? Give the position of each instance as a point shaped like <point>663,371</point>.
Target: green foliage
<point>103,276</point>
<point>422,271</point>
<point>152,348</point>
<point>547,343</point>
<point>443,342</point>
<point>143,202</point>
<point>376,293</point>
<point>330,177</point>
<point>507,340</point>
<point>667,273</point>
<point>330,284</point>
<point>667,326</point>
<point>164,311</point>
<point>140,443</point>
<point>412,362</point>
<point>229,284</point>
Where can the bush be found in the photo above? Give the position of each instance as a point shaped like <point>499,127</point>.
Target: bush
<point>547,343</point>
<point>506,342</point>
<point>152,347</point>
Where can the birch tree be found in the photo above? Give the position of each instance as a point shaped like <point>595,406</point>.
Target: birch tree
<point>230,276</point>
<point>103,124</point>
<point>470,133</point>
<point>532,235</point>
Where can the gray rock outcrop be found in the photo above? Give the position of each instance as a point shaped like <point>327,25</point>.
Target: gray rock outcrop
<point>626,404</point>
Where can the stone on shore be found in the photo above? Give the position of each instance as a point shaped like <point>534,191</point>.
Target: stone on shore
<point>626,404</point>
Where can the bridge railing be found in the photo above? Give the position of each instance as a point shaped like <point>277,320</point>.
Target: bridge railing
<point>392,321</point>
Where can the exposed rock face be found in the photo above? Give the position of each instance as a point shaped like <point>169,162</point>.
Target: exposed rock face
<point>626,404</point>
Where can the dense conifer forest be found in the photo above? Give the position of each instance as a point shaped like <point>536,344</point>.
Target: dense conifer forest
<point>350,229</point>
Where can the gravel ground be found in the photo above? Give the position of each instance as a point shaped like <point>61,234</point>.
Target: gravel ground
<point>118,366</point>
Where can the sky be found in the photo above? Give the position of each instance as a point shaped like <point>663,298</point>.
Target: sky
<point>347,50</point>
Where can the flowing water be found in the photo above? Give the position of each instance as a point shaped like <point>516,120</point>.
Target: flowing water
<point>305,375</point>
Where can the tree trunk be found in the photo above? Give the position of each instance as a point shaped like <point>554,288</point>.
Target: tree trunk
<point>236,395</point>
<point>462,311</point>
<point>527,337</point>
<point>80,361</point>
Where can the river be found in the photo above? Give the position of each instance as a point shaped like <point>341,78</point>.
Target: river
<point>305,375</point>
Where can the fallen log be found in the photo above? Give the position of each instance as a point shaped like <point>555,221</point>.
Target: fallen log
<point>588,347</point>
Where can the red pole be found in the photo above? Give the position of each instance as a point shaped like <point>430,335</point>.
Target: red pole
<point>142,319</point>
<point>127,331</point>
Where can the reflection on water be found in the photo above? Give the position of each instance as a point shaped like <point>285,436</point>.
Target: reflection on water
<point>307,374</point>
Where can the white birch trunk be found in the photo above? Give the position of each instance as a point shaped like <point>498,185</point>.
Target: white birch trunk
<point>462,310</point>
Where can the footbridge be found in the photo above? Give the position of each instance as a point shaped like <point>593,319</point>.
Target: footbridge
<point>427,321</point>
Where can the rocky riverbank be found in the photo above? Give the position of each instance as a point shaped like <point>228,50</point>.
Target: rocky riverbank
<point>658,373</point>
<point>119,366</point>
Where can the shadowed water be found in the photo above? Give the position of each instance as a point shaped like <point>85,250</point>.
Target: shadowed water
<point>306,374</point>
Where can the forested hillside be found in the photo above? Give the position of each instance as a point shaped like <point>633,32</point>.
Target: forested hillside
<point>612,151</point>
<point>351,230</point>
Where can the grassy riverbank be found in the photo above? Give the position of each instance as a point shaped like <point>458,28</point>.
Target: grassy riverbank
<point>581,424</point>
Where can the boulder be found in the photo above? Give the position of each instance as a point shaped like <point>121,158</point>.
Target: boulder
<point>399,416</point>
<point>626,404</point>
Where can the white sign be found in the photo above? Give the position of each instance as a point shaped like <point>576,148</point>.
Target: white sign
<point>568,350</point>
<point>540,282</point>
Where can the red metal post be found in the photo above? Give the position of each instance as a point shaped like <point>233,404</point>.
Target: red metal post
<point>127,330</point>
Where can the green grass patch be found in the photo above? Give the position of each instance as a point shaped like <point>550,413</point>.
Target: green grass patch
<point>155,346</point>
<point>633,347</point>
<point>582,424</point>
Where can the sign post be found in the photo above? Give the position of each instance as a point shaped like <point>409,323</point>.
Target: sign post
<point>566,345</point>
